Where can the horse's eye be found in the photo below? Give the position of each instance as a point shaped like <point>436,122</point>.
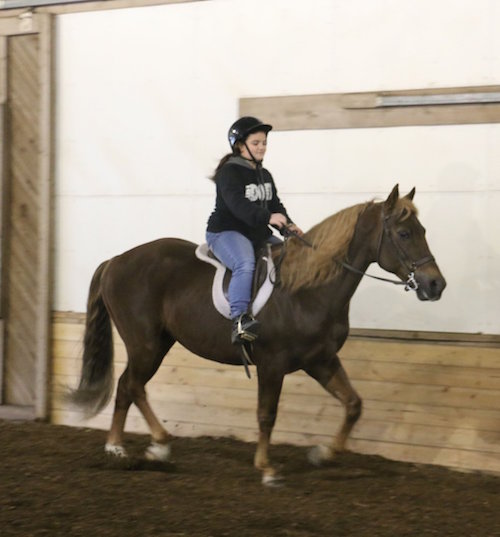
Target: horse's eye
<point>403,234</point>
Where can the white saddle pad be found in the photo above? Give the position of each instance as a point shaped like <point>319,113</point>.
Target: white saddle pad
<point>219,298</point>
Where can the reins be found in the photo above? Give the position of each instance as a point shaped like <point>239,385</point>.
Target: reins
<point>357,271</point>
<point>287,234</point>
<point>410,284</point>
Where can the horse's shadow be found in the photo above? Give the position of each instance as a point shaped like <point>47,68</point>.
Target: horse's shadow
<point>132,463</point>
<point>347,466</point>
<point>291,462</point>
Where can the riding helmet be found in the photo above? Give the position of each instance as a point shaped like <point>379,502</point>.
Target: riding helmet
<point>243,127</point>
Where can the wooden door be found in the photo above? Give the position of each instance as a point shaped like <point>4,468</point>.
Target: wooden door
<point>26,213</point>
<point>22,208</point>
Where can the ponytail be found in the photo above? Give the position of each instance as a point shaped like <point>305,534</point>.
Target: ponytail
<point>224,159</point>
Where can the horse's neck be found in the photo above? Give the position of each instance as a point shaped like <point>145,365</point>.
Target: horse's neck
<point>362,252</point>
<point>364,244</point>
<point>332,286</point>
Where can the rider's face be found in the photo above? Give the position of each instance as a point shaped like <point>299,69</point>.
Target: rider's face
<point>257,144</point>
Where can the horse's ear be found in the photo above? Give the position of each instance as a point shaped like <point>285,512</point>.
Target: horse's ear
<point>411,194</point>
<point>390,202</point>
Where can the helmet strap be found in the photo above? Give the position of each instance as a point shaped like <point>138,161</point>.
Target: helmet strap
<point>254,160</point>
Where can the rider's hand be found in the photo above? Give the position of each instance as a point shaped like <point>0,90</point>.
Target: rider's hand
<point>279,220</point>
<point>296,229</point>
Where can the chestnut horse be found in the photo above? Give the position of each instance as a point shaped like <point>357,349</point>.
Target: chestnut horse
<point>159,293</point>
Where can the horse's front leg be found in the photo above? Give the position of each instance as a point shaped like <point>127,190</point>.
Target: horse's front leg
<point>332,376</point>
<point>270,384</point>
<point>114,443</point>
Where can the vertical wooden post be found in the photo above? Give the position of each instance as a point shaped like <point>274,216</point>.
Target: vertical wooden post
<point>45,223</point>
<point>3,98</point>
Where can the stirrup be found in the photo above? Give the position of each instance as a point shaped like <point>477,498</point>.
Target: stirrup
<point>244,329</point>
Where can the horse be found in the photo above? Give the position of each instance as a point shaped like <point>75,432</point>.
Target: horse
<point>160,292</point>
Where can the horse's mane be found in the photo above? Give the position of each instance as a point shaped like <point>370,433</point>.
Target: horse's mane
<point>309,267</point>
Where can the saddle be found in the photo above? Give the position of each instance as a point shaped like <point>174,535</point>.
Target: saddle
<point>262,283</point>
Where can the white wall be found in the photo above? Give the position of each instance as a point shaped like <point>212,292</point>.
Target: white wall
<point>145,97</point>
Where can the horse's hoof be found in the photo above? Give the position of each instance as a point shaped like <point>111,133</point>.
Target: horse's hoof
<point>115,450</point>
<point>273,481</point>
<point>319,454</point>
<point>158,452</point>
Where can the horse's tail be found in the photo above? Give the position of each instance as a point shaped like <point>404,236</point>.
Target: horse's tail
<point>96,379</point>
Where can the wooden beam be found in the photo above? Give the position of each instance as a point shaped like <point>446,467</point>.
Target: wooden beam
<point>363,110</point>
<point>19,24</point>
<point>63,320</point>
<point>62,8</point>
<point>462,338</point>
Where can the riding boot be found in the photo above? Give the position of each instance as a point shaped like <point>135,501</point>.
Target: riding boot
<point>245,328</point>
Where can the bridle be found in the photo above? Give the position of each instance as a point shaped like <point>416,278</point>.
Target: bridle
<point>411,283</point>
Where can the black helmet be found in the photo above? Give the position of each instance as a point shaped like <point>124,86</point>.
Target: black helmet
<point>246,125</point>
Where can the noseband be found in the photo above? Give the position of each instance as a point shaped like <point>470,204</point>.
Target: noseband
<point>411,283</point>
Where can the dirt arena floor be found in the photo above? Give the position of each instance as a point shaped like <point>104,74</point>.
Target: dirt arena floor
<point>56,481</point>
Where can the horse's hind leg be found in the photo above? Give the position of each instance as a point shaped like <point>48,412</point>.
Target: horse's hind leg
<point>332,376</point>
<point>142,365</point>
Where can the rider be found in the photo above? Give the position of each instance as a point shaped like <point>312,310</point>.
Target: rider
<point>247,203</point>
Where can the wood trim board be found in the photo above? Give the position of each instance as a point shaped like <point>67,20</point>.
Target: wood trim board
<point>45,221</point>
<point>72,317</point>
<point>104,5</point>
<point>363,110</point>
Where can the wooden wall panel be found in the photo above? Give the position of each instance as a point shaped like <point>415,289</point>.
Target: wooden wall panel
<point>21,259</point>
<point>360,110</point>
<point>426,403</point>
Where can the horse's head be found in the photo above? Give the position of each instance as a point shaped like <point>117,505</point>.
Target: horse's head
<point>403,249</point>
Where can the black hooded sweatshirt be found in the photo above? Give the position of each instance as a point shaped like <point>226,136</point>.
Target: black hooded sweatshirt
<point>246,197</point>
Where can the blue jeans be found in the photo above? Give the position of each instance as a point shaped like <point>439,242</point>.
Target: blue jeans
<point>236,252</point>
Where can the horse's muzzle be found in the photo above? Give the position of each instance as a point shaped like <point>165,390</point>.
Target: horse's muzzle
<point>430,285</point>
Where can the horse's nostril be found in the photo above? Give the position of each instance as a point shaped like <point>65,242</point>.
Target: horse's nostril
<point>437,286</point>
